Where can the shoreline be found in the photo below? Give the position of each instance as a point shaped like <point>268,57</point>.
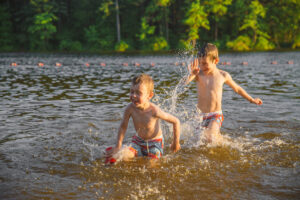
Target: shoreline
<point>142,52</point>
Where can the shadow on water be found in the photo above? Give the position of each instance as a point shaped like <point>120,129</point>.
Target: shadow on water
<point>56,122</point>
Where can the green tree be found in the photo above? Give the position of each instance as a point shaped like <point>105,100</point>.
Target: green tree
<point>107,9</point>
<point>92,37</point>
<point>6,33</point>
<point>154,28</point>
<point>241,43</point>
<point>121,46</point>
<point>43,23</point>
<point>252,24</point>
<point>159,43</point>
<point>296,44</point>
<point>92,25</point>
<point>196,18</point>
<point>146,31</point>
<point>283,21</point>
<point>218,8</point>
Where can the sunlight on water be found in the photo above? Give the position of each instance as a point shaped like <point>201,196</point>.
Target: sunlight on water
<point>56,123</point>
<point>206,162</point>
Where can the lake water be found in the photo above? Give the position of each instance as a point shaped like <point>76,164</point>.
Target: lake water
<point>55,123</point>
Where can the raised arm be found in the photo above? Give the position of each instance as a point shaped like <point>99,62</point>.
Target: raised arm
<point>194,71</point>
<point>239,90</point>
<point>175,146</point>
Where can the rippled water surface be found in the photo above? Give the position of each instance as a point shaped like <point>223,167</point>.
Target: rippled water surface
<point>55,123</point>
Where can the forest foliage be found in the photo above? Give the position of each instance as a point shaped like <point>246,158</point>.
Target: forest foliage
<point>148,25</point>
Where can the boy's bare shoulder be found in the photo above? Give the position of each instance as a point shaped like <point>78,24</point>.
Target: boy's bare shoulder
<point>129,108</point>
<point>155,109</point>
<point>224,74</point>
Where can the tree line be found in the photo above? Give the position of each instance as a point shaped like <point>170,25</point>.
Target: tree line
<point>147,25</point>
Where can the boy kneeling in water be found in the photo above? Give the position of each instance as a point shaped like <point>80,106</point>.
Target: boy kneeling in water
<point>148,140</point>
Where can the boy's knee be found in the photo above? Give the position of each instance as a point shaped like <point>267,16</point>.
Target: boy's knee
<point>214,126</point>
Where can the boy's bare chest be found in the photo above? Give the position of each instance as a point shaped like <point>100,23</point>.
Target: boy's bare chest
<point>143,118</point>
<point>210,82</point>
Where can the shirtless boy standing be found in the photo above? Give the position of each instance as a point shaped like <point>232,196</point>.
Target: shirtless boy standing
<point>146,116</point>
<point>210,81</point>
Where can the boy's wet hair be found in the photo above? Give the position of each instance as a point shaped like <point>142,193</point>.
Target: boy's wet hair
<point>144,79</point>
<point>209,50</point>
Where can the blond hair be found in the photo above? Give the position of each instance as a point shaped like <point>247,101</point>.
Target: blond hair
<point>209,50</point>
<point>144,79</point>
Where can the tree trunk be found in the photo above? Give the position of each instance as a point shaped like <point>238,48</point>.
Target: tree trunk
<point>216,31</point>
<point>194,43</point>
<point>118,21</point>
<point>254,37</point>
<point>166,24</point>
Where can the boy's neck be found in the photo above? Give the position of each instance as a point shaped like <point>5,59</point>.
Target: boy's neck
<point>145,106</point>
<point>212,71</point>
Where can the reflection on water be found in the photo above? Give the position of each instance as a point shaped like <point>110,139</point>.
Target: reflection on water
<point>56,122</point>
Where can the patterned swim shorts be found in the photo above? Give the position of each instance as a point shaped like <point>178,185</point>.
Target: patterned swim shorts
<point>151,148</point>
<point>210,117</point>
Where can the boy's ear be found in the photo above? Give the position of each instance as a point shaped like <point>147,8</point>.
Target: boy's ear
<point>151,95</point>
<point>216,60</point>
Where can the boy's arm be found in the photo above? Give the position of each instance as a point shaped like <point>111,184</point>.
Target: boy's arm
<point>123,127</point>
<point>121,132</point>
<point>176,127</point>
<point>239,90</point>
<point>190,78</point>
<point>194,71</point>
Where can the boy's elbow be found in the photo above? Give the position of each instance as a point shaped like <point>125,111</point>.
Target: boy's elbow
<point>176,122</point>
<point>237,91</point>
<point>123,127</point>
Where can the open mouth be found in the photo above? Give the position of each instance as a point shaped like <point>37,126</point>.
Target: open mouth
<point>135,102</point>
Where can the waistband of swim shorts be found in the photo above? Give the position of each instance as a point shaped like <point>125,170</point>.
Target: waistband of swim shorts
<point>156,139</point>
<point>211,113</point>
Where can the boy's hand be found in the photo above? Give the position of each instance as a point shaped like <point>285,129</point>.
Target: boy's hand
<point>175,146</point>
<point>257,101</point>
<point>193,67</point>
<point>111,152</point>
<point>193,70</point>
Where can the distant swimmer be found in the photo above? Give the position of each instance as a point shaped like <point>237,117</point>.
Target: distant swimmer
<point>40,64</point>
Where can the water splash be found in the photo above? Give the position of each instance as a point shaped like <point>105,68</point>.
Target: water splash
<point>90,142</point>
<point>124,154</point>
<point>190,116</point>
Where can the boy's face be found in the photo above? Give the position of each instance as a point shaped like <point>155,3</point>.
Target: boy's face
<point>140,95</point>
<point>206,64</point>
